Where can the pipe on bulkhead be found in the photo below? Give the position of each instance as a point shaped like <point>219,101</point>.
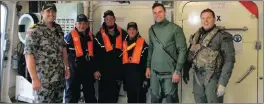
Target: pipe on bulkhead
<point>91,15</point>
<point>86,5</point>
<point>88,8</point>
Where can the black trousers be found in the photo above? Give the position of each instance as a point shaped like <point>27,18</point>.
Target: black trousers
<point>80,74</point>
<point>134,79</point>
<point>109,89</point>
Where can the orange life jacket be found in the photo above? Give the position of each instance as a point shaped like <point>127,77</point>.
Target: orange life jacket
<point>107,43</point>
<point>78,46</point>
<point>136,53</point>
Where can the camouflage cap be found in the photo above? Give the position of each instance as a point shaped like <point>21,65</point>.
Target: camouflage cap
<point>49,6</point>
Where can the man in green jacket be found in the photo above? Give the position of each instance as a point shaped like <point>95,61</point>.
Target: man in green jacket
<point>212,56</point>
<point>167,50</point>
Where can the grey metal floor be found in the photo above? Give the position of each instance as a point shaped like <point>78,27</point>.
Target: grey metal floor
<point>13,100</point>
<point>122,97</point>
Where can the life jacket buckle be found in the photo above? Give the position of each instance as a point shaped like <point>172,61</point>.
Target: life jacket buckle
<point>129,59</point>
<point>87,57</point>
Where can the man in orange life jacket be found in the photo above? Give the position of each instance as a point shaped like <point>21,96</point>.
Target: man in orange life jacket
<point>135,60</point>
<point>80,56</point>
<point>108,47</point>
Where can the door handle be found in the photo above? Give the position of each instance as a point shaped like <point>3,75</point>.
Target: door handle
<point>260,78</point>
<point>251,68</point>
<point>235,29</point>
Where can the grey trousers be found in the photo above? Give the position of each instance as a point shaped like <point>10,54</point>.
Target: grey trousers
<point>205,93</point>
<point>162,87</point>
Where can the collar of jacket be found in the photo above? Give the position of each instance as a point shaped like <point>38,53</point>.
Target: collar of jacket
<point>203,31</point>
<point>134,39</point>
<point>163,22</point>
<point>44,26</point>
<point>86,30</point>
<point>115,29</point>
<point>85,34</point>
<point>42,23</point>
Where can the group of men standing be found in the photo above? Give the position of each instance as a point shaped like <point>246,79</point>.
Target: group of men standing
<point>114,56</point>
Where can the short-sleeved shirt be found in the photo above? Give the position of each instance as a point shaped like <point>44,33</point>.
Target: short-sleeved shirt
<point>46,45</point>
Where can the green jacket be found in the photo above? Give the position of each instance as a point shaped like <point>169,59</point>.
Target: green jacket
<point>172,37</point>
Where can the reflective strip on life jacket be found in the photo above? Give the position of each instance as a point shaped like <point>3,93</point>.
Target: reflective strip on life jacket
<point>108,44</point>
<point>78,46</point>
<point>136,53</point>
<point>125,54</point>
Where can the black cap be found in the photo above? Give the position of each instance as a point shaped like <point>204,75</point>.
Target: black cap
<point>132,24</point>
<point>82,18</point>
<point>49,6</point>
<point>109,12</point>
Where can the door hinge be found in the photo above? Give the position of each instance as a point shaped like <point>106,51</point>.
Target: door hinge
<point>258,45</point>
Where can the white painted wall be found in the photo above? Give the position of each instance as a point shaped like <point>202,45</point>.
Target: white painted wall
<point>261,52</point>
<point>6,66</point>
<point>9,75</point>
<point>140,12</point>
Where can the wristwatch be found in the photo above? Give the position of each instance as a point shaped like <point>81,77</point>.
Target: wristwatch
<point>177,72</point>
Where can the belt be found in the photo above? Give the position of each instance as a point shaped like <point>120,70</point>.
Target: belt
<point>162,73</point>
<point>208,74</point>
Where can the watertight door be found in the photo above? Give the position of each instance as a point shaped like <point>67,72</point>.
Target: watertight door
<point>241,20</point>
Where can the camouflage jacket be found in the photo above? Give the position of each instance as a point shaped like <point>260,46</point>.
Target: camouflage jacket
<point>223,43</point>
<point>46,44</point>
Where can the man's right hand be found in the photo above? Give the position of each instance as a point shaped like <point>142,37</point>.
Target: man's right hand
<point>36,84</point>
<point>147,73</point>
<point>97,75</point>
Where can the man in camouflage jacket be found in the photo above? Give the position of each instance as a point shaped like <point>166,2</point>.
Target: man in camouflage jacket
<point>44,51</point>
<point>212,56</point>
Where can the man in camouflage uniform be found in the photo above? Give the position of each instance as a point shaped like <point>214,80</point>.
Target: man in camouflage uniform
<point>212,56</point>
<point>43,51</point>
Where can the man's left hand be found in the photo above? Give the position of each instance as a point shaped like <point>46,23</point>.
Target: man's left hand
<point>67,73</point>
<point>220,90</point>
<point>176,78</point>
